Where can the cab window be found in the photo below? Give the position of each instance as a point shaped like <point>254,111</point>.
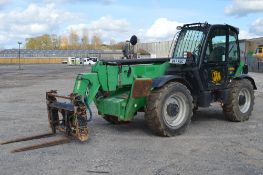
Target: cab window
<point>232,49</point>
<point>216,48</point>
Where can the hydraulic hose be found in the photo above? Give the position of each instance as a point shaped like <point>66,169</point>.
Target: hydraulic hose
<point>88,109</point>
<point>90,113</point>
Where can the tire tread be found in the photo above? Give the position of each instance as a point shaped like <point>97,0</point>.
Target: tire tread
<point>152,109</point>
<point>230,107</point>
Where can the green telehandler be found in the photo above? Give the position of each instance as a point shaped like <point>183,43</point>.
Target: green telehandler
<point>204,67</point>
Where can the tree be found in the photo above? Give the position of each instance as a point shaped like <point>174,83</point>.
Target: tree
<point>112,42</point>
<point>39,42</point>
<point>55,41</point>
<point>96,41</point>
<point>73,39</point>
<point>46,41</point>
<point>31,43</point>
<point>117,46</point>
<point>64,43</point>
<point>85,39</point>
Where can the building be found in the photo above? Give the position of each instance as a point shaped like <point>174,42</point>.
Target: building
<point>163,49</point>
<point>253,44</point>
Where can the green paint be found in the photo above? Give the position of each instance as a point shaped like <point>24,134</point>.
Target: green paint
<point>239,70</point>
<point>87,85</point>
<point>113,86</point>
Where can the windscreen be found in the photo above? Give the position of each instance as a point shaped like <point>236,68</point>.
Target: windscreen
<point>189,40</point>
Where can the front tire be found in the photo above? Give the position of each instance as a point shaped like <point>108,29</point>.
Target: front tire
<point>240,102</point>
<point>169,109</point>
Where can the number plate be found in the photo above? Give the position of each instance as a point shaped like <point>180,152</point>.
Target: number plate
<point>178,61</point>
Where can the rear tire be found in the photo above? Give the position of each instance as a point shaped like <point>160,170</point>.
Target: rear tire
<point>169,109</point>
<point>240,102</point>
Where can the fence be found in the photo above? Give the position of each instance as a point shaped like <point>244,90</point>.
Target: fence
<point>254,65</point>
<point>31,60</point>
<point>29,56</point>
<point>27,53</point>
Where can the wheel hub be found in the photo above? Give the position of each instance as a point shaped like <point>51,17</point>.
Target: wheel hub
<point>172,109</point>
<point>175,109</point>
<point>242,100</point>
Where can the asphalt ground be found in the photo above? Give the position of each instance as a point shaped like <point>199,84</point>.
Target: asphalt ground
<point>211,144</point>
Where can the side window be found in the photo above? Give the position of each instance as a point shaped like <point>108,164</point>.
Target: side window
<point>233,51</point>
<point>216,48</point>
<point>259,50</point>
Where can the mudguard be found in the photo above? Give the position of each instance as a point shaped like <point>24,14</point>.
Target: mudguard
<point>162,80</point>
<point>245,76</point>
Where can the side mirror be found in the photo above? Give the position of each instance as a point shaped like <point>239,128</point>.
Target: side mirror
<point>133,40</point>
<point>245,69</point>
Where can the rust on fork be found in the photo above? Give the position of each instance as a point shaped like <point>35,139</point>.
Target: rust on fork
<point>27,138</point>
<point>42,145</point>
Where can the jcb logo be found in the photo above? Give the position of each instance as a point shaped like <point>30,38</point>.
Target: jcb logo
<point>216,76</point>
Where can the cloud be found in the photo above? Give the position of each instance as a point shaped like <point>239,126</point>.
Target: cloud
<point>106,27</point>
<point>246,35</point>
<point>34,20</point>
<point>3,3</point>
<point>107,23</point>
<point>105,2</point>
<point>255,30</point>
<point>257,27</point>
<point>162,29</point>
<point>2,38</point>
<point>244,7</point>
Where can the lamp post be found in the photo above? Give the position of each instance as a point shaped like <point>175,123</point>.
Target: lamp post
<point>19,43</point>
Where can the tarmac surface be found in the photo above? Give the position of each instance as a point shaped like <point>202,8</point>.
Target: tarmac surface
<point>211,144</point>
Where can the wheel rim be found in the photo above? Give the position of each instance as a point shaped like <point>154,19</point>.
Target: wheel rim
<point>174,110</point>
<point>244,100</point>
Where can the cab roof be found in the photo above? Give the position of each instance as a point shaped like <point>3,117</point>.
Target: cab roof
<point>206,26</point>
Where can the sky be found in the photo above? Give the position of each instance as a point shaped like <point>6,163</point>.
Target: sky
<point>118,20</point>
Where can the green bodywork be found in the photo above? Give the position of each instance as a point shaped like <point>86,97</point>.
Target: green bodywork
<point>239,70</point>
<point>110,87</point>
<point>110,84</point>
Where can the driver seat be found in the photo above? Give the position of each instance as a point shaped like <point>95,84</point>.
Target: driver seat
<point>217,54</point>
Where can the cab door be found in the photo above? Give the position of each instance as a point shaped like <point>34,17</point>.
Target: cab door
<point>213,70</point>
